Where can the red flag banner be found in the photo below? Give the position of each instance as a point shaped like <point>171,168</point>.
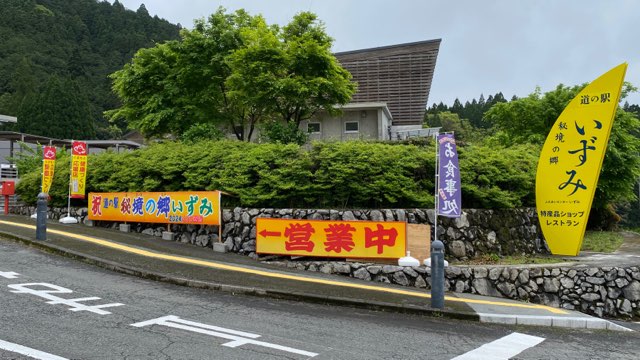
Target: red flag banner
<point>78,169</point>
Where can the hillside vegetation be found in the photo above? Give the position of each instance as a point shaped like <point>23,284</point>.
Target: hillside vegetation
<point>55,58</point>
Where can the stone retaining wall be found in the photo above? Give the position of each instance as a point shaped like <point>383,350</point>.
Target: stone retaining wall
<point>603,292</point>
<point>600,291</point>
<point>475,233</point>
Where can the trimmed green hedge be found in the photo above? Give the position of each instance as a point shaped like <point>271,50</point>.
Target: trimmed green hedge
<point>337,175</point>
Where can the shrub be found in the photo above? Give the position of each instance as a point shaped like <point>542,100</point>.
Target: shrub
<point>362,174</point>
<point>498,177</point>
<point>339,175</point>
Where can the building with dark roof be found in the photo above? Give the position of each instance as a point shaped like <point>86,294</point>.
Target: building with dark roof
<point>391,99</point>
<point>398,75</point>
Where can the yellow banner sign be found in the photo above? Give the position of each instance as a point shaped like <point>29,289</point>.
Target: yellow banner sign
<point>48,167</point>
<point>352,239</point>
<point>570,162</point>
<point>78,169</point>
<point>185,207</point>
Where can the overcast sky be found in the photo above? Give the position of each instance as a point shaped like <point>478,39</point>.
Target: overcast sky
<point>487,46</point>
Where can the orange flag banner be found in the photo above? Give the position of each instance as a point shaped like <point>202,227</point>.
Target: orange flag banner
<point>48,167</point>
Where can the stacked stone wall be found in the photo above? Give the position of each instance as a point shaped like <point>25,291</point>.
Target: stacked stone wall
<point>600,291</point>
<point>475,233</point>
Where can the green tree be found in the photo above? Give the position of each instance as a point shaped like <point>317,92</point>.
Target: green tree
<point>233,71</point>
<point>314,80</point>
<point>168,88</point>
<point>288,74</point>
<point>451,122</point>
<point>60,111</point>
<point>201,132</point>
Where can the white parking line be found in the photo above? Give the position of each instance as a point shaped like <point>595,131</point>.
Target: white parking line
<point>9,274</point>
<point>23,350</point>
<point>503,348</point>
<point>238,338</point>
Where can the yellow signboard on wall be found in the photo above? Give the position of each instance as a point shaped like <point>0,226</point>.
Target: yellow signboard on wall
<point>571,159</point>
<point>185,207</point>
<point>353,239</point>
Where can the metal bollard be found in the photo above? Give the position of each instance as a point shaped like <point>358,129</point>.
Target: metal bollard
<point>437,274</point>
<point>41,217</point>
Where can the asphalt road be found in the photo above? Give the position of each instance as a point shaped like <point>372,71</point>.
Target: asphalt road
<point>141,319</point>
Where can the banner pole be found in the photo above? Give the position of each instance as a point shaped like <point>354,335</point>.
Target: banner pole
<point>68,219</point>
<point>42,173</point>
<point>436,189</point>
<point>220,216</point>
<point>437,247</point>
<point>70,177</point>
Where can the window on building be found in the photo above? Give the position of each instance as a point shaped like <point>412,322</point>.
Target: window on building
<point>313,128</point>
<point>351,127</point>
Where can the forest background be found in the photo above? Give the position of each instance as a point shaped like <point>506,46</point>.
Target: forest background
<point>63,65</point>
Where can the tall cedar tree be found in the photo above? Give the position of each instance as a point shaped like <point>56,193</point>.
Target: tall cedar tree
<point>84,40</point>
<point>60,111</point>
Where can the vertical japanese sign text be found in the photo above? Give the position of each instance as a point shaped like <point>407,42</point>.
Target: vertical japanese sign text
<point>449,192</point>
<point>48,167</point>
<point>78,169</point>
<point>571,159</point>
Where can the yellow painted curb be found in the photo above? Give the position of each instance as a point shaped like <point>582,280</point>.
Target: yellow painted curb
<point>216,265</point>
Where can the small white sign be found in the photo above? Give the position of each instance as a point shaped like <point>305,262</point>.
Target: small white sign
<point>7,118</point>
<point>238,338</point>
<point>49,289</point>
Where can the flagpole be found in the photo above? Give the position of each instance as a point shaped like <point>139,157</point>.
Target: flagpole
<point>42,173</point>
<point>68,219</point>
<point>35,215</point>
<point>70,177</point>
<point>436,190</point>
<point>436,261</point>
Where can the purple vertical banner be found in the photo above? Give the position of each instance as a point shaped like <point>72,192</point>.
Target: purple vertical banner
<point>449,193</point>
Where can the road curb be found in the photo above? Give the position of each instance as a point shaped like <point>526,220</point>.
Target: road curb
<point>235,289</point>
<point>552,321</point>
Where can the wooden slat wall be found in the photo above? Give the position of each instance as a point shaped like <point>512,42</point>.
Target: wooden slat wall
<point>399,75</point>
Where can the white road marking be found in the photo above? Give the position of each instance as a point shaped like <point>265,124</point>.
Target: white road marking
<point>503,348</point>
<point>55,289</point>
<point>9,274</point>
<point>238,338</point>
<point>23,350</point>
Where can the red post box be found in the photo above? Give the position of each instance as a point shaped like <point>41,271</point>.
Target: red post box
<point>8,189</point>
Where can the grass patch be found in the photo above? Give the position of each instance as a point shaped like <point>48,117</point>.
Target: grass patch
<point>602,241</point>
<point>493,259</point>
<point>597,241</point>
